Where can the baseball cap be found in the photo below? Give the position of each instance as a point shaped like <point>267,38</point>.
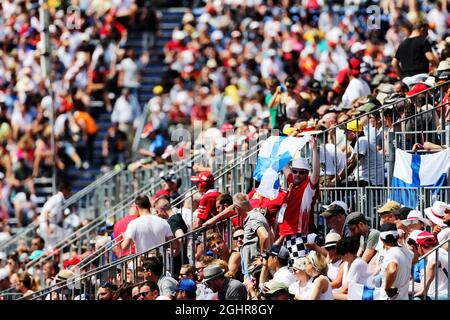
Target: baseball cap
<point>36,254</point>
<point>333,210</point>
<point>173,178</point>
<point>273,286</point>
<point>388,229</point>
<point>358,46</point>
<point>314,85</point>
<point>342,204</point>
<point>279,251</point>
<point>355,126</point>
<point>355,217</point>
<point>426,238</point>
<point>417,88</point>
<point>205,176</point>
<point>413,235</point>
<point>187,285</point>
<point>355,66</point>
<point>389,207</point>
<point>331,239</point>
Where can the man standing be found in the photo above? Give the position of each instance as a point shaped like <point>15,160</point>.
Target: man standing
<point>120,227</point>
<point>358,226</point>
<point>414,54</point>
<point>147,231</point>
<point>397,264</point>
<point>207,205</point>
<point>256,231</point>
<point>295,217</point>
<point>178,227</point>
<point>227,289</point>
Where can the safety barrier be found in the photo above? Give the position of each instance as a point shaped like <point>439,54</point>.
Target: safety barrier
<point>429,285</point>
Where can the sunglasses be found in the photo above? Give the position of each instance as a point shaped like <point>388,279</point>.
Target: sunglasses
<point>300,171</point>
<point>142,294</point>
<point>199,269</point>
<point>240,237</point>
<point>330,248</point>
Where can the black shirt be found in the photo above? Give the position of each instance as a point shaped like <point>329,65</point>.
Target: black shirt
<point>411,54</point>
<point>176,222</point>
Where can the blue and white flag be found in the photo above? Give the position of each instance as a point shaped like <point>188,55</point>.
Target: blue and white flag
<point>274,155</point>
<point>358,291</point>
<point>412,171</point>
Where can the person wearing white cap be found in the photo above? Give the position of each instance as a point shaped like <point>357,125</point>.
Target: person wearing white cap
<point>435,215</point>
<point>397,264</point>
<point>295,216</point>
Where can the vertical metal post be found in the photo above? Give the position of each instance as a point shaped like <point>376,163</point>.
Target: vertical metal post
<point>44,18</point>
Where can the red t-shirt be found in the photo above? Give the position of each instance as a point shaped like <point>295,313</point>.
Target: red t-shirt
<point>207,205</point>
<point>298,217</point>
<point>272,206</point>
<point>119,228</point>
<point>343,80</point>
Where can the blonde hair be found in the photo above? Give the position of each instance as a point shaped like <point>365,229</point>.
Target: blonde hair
<point>318,261</point>
<point>241,200</point>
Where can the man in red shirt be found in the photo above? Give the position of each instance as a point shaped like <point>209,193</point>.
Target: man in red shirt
<point>295,217</point>
<point>120,227</point>
<point>272,206</point>
<point>207,205</point>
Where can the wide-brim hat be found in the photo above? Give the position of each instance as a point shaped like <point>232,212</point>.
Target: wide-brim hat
<point>436,212</point>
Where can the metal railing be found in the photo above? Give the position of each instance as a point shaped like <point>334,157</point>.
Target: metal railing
<point>376,148</point>
<point>434,294</point>
<point>236,168</point>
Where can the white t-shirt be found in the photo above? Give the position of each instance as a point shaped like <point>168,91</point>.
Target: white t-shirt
<point>333,269</point>
<point>443,235</point>
<point>284,275</point>
<point>332,159</point>
<point>442,278</point>
<point>403,258</point>
<point>148,231</point>
<point>303,292</point>
<point>54,206</point>
<point>130,73</point>
<point>372,156</point>
<point>357,88</point>
<point>358,272</point>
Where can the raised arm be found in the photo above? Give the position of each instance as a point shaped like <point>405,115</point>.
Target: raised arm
<point>315,175</point>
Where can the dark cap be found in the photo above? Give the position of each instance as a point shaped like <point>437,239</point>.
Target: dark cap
<point>355,218</point>
<point>333,210</point>
<point>279,251</point>
<point>314,85</point>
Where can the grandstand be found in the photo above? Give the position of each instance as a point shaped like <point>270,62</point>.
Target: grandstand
<point>177,91</point>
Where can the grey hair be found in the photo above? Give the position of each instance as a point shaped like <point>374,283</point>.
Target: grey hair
<point>241,200</point>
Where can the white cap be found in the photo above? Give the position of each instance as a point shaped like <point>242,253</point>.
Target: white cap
<point>413,217</point>
<point>216,35</point>
<point>300,163</point>
<point>254,25</point>
<point>358,46</point>
<point>178,35</point>
<point>162,298</point>
<point>339,203</point>
<point>413,235</point>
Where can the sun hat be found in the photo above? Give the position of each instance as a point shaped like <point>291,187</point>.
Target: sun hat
<point>436,213</point>
<point>426,238</point>
<point>211,272</point>
<point>331,239</point>
<point>301,163</point>
<point>389,207</point>
<point>413,217</point>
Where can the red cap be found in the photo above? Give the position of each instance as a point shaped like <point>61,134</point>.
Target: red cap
<point>226,127</point>
<point>204,176</point>
<point>161,193</point>
<point>418,87</point>
<point>71,262</point>
<point>426,238</point>
<point>355,66</point>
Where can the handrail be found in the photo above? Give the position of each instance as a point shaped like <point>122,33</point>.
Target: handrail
<point>384,107</point>
<point>101,218</point>
<point>73,199</point>
<point>133,256</point>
